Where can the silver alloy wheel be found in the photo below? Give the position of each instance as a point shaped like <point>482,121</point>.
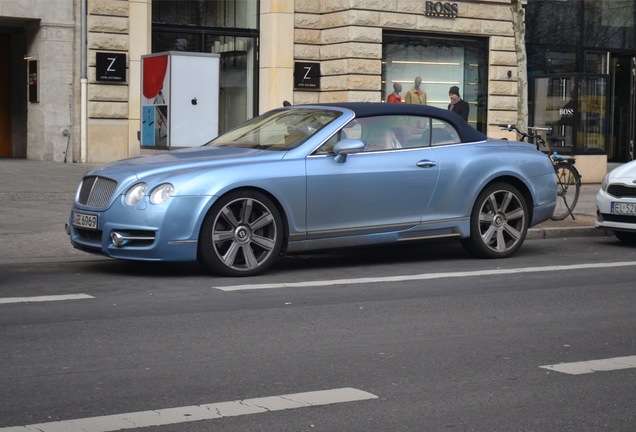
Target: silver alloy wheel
<point>502,221</point>
<point>245,236</point>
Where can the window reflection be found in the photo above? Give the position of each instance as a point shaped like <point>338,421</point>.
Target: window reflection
<point>606,23</point>
<point>206,13</point>
<point>224,27</point>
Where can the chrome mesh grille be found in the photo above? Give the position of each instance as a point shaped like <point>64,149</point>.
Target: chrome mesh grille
<point>96,191</point>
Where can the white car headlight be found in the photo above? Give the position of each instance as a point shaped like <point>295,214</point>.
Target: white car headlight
<point>135,194</point>
<point>605,182</point>
<point>161,193</point>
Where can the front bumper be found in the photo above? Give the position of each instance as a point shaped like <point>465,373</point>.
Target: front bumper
<point>604,217</point>
<point>147,232</point>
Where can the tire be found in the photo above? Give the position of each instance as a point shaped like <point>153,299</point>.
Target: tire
<point>241,235</point>
<point>626,237</point>
<point>568,188</point>
<point>498,222</point>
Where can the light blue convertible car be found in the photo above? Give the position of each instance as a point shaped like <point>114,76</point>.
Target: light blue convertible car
<point>317,177</point>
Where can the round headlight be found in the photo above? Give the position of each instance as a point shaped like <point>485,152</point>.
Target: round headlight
<point>161,193</point>
<point>135,194</point>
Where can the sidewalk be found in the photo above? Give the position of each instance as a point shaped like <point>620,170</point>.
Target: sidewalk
<point>581,226</point>
<point>36,199</point>
<point>35,203</point>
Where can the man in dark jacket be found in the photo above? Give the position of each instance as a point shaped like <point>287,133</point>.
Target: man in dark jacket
<point>458,105</point>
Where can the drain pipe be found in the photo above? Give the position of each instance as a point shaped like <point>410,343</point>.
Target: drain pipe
<point>83,86</point>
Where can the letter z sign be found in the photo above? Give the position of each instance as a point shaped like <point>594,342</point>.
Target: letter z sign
<point>307,76</point>
<point>110,67</point>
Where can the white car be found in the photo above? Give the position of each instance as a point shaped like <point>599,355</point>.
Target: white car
<point>616,203</point>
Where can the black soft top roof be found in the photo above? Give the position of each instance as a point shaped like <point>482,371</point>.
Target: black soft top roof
<point>369,109</point>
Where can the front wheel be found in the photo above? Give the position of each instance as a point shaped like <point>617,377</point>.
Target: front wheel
<point>498,223</point>
<point>242,235</point>
<point>568,189</point>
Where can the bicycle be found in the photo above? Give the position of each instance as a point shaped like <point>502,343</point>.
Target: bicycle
<point>568,177</point>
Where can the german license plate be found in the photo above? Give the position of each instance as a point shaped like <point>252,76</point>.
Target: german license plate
<point>86,221</point>
<point>627,209</point>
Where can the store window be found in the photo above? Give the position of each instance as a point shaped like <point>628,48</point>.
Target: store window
<point>575,108</point>
<point>226,27</point>
<point>206,13</point>
<point>441,63</point>
<point>600,23</point>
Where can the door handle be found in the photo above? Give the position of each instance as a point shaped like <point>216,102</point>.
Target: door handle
<point>426,164</point>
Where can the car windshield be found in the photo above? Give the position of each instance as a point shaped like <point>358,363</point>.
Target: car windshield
<point>277,130</point>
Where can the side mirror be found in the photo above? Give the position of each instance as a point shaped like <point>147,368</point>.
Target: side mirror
<point>345,147</point>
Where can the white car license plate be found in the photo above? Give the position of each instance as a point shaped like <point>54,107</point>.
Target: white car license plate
<point>628,209</point>
<point>87,221</point>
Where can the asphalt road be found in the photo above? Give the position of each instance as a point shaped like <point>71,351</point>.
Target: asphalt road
<point>436,339</point>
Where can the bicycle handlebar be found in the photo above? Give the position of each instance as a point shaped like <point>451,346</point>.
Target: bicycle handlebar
<point>511,128</point>
<point>536,136</point>
<point>536,128</point>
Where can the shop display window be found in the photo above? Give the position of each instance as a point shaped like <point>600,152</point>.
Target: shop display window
<point>441,63</point>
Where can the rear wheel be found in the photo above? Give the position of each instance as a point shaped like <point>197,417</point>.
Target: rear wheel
<point>498,223</point>
<point>568,188</point>
<point>242,235</point>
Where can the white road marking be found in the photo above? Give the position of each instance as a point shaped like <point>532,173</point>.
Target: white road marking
<point>167,416</point>
<point>425,276</point>
<point>45,298</point>
<point>584,367</point>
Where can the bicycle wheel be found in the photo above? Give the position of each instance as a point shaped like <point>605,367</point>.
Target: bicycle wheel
<point>568,188</point>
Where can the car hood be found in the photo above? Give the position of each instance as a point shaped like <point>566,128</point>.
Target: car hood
<point>625,173</point>
<point>182,161</point>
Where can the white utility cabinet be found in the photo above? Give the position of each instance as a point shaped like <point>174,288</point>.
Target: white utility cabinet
<point>179,99</point>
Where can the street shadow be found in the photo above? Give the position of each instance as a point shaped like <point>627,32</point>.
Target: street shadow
<point>429,251</point>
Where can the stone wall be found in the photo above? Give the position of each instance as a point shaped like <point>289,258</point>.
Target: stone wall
<point>108,26</point>
<point>346,38</point>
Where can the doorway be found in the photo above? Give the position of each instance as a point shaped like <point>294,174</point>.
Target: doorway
<point>5,101</point>
<point>622,109</point>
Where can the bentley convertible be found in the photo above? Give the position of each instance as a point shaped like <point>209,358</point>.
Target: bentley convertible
<point>316,177</point>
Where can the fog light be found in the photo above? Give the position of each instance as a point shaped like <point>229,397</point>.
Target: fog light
<point>118,239</point>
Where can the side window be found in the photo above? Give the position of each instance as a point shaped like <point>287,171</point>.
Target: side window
<point>384,133</point>
<point>327,146</point>
<point>443,133</point>
<point>395,132</point>
<point>351,130</point>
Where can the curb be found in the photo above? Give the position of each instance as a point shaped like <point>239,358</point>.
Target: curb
<point>550,233</point>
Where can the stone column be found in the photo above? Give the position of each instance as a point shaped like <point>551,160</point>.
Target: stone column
<point>276,51</point>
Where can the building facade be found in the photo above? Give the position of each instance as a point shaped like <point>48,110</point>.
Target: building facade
<point>73,68</point>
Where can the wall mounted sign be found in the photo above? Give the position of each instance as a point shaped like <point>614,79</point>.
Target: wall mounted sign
<point>307,76</point>
<point>110,67</point>
<point>441,9</point>
<point>34,88</point>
